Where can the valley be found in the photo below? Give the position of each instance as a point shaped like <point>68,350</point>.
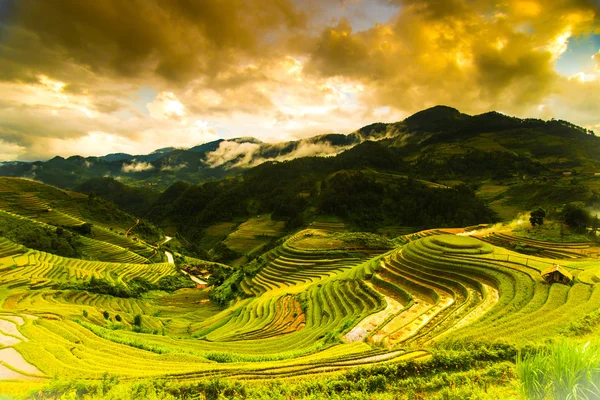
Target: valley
<point>319,302</point>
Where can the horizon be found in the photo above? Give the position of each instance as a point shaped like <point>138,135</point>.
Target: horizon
<point>237,138</point>
<point>111,77</point>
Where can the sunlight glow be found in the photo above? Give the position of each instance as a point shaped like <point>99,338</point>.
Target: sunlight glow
<point>559,45</point>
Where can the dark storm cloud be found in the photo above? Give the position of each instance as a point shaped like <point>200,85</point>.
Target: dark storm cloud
<point>177,39</point>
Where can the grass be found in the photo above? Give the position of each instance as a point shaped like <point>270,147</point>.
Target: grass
<point>253,234</point>
<point>551,232</point>
<point>488,191</point>
<point>221,229</point>
<point>566,370</point>
<point>461,243</point>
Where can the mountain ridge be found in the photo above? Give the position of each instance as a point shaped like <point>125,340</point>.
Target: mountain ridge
<point>420,135</point>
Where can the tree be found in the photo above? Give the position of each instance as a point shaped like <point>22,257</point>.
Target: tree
<point>537,217</point>
<point>84,229</point>
<point>576,218</point>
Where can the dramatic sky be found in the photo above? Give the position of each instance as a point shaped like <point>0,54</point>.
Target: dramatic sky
<point>92,77</point>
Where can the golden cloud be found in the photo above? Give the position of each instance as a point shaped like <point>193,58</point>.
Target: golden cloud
<point>473,55</point>
<point>275,69</point>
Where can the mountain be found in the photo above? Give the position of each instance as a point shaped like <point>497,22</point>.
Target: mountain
<point>433,139</point>
<point>117,157</point>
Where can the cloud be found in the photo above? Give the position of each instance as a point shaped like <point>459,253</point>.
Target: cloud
<point>177,40</point>
<point>71,73</point>
<point>137,167</point>
<point>9,151</point>
<point>312,150</point>
<point>240,153</point>
<point>174,168</point>
<point>166,105</point>
<point>247,155</point>
<point>469,55</point>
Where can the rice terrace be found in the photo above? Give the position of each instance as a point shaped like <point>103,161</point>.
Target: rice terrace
<point>321,302</point>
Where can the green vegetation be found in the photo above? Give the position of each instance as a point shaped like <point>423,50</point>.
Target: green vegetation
<point>136,287</point>
<point>292,193</point>
<point>302,308</point>
<point>67,213</point>
<point>576,218</point>
<point>39,236</point>
<point>402,380</point>
<point>136,201</point>
<point>567,370</point>
<point>537,217</point>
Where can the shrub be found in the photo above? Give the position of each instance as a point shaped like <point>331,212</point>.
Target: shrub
<point>137,320</point>
<point>576,218</point>
<point>172,283</point>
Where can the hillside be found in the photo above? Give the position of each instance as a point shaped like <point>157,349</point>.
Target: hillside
<point>440,143</point>
<point>72,224</point>
<point>319,304</point>
<point>512,165</point>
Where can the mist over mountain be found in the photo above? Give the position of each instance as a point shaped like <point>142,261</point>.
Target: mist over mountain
<point>430,137</point>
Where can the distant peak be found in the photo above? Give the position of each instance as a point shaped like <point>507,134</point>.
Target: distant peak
<point>245,139</point>
<point>437,111</point>
<point>163,150</point>
<point>434,119</point>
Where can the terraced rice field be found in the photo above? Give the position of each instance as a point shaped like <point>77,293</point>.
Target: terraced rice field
<point>253,234</point>
<point>307,311</point>
<point>37,201</point>
<point>329,226</point>
<point>143,251</point>
<point>38,269</point>
<point>544,249</point>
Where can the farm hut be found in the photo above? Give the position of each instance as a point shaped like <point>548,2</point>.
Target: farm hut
<point>596,173</point>
<point>567,173</point>
<point>556,273</point>
<point>201,285</point>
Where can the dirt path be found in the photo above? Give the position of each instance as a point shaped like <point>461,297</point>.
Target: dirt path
<point>169,255</point>
<point>194,278</point>
<point>137,221</point>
